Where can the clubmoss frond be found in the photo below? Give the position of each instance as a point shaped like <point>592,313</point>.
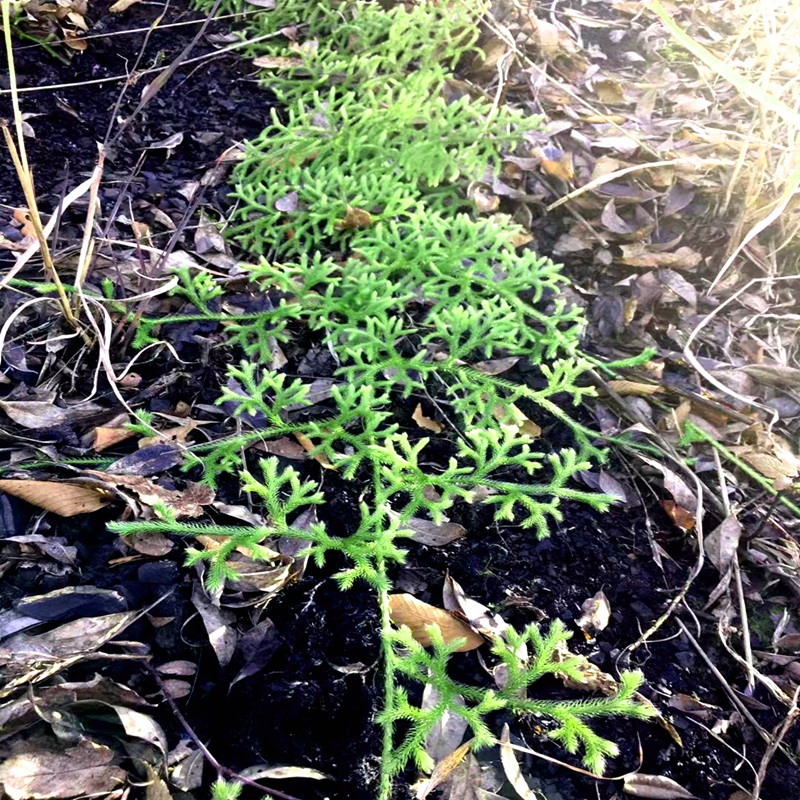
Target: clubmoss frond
<point>351,202</point>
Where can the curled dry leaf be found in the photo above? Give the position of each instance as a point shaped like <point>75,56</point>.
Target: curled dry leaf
<point>595,614</point>
<point>109,437</point>
<point>654,787</point>
<point>64,499</point>
<point>86,769</point>
<point>479,617</point>
<point>418,615</point>
<point>424,422</point>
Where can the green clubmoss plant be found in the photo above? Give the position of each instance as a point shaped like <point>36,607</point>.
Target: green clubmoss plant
<point>353,200</point>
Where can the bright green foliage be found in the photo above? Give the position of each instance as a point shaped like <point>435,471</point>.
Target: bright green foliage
<point>351,197</point>
<point>424,666</point>
<point>225,790</point>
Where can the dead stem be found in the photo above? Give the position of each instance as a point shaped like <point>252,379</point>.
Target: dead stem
<point>775,743</point>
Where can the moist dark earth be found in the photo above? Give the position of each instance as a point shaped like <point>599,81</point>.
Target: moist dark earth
<point>315,701</point>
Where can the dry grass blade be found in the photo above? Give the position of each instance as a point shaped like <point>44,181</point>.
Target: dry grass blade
<point>20,158</point>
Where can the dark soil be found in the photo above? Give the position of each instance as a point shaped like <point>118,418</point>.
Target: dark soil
<point>218,96</point>
<point>314,703</point>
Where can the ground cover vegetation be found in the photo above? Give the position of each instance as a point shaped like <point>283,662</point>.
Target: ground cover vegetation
<point>360,180</point>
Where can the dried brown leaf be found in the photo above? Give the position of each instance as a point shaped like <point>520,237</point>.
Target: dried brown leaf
<point>444,769</point>
<point>156,788</point>
<point>85,769</point>
<point>150,543</point>
<point>654,787</point>
<point>122,5</point>
<point>277,62</point>
<point>496,366</point>
<point>426,422</point>
<point>418,615</point>
<point>479,617</point>
<point>64,499</point>
<point>433,535</point>
<point>634,389</point>
<point>108,437</point>
<point>723,542</point>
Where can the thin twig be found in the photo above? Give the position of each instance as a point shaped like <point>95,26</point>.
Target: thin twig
<point>774,744</point>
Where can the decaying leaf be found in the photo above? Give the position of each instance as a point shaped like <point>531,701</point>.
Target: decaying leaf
<point>60,497</point>
<point>426,422</point>
<point>768,453</point>
<point>188,502</point>
<point>277,62</point>
<point>150,543</point>
<point>433,535</point>
<point>654,787</point>
<point>355,219</point>
<point>418,615</point>
<point>37,414</point>
<point>595,614</point>
<point>512,769</point>
<point>631,388</point>
<point>156,788</point>
<point>496,366</point>
<point>479,617</point>
<point>683,508</point>
<point>445,737</point>
<point>512,416</point>
<point>722,543</point>
<point>73,638</point>
<point>181,667</point>
<point>279,773</point>
<point>257,647</point>
<point>465,782</point>
<point>122,5</point>
<point>218,623</point>
<point>86,769</point>
<point>443,770</point>
<point>187,772</point>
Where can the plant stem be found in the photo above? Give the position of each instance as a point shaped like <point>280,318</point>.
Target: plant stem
<point>388,688</point>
